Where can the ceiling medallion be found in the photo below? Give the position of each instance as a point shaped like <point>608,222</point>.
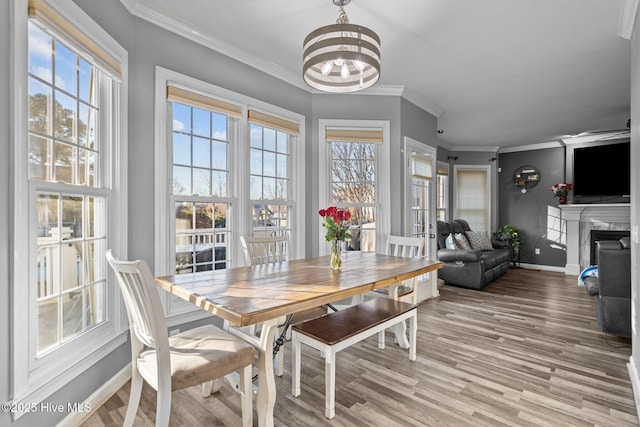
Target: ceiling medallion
<point>342,57</point>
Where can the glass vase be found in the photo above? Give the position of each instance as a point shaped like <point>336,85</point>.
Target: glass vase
<point>336,255</point>
<point>563,200</point>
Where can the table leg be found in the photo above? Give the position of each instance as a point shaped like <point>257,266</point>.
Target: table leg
<point>266,381</point>
<point>266,394</point>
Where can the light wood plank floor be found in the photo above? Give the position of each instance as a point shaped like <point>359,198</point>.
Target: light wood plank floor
<point>525,351</point>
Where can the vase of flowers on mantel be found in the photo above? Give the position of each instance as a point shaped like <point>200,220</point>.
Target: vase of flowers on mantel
<point>561,191</point>
<point>335,221</point>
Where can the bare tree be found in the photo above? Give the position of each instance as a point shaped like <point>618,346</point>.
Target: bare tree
<point>353,177</point>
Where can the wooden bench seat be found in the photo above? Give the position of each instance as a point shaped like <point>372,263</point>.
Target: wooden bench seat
<point>338,330</point>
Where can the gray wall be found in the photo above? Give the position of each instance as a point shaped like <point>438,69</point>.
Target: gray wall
<point>353,107</point>
<point>421,126</point>
<point>149,46</point>
<point>528,212</point>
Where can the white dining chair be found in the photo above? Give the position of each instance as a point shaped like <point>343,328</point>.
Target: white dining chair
<point>405,291</point>
<point>189,358</point>
<point>269,250</point>
<point>265,250</point>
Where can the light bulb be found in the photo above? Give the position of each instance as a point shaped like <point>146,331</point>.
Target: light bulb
<point>344,73</point>
<point>326,68</point>
<point>339,62</point>
<point>359,65</point>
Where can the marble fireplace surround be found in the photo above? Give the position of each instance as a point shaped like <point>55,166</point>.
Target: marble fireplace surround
<point>581,219</point>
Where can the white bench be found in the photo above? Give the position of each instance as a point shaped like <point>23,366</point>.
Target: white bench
<point>338,330</point>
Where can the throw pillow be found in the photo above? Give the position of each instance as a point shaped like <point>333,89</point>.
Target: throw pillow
<point>479,240</point>
<point>450,242</point>
<point>461,241</point>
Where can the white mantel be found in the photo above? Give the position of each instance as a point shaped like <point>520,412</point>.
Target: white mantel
<point>580,219</point>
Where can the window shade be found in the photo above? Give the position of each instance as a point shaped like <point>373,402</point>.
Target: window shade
<point>175,94</point>
<point>273,122</point>
<point>472,202</point>
<point>442,170</point>
<point>421,166</point>
<point>49,17</point>
<point>354,135</point>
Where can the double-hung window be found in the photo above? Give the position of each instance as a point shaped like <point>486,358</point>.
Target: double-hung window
<point>204,135</point>
<point>270,141</point>
<point>355,176</point>
<point>68,197</point>
<point>226,166</point>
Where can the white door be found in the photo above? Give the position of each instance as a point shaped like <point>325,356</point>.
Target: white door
<point>420,202</point>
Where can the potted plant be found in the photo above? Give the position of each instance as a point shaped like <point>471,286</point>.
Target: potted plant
<point>510,233</point>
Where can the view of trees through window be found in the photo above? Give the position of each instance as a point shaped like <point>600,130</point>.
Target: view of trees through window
<point>353,177</point>
<point>63,112</point>
<point>269,181</point>
<point>201,141</point>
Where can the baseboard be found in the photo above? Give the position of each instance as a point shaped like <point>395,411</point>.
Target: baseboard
<point>97,399</point>
<point>542,267</point>
<point>635,385</point>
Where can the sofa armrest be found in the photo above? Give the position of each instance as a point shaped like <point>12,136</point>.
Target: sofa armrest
<point>452,255</point>
<point>592,285</point>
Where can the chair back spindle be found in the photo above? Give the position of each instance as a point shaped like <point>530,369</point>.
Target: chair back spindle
<point>265,250</point>
<point>141,300</point>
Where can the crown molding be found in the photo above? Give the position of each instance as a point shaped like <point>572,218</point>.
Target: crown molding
<point>529,147</point>
<point>595,137</point>
<point>481,149</point>
<point>628,16</point>
<point>419,100</point>
<point>146,11</point>
<point>130,5</point>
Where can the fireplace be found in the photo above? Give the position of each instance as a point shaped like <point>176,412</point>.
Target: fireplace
<point>580,220</point>
<point>600,235</point>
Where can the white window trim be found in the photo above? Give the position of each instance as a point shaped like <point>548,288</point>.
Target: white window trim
<point>414,146</point>
<point>178,311</point>
<point>35,379</point>
<point>441,164</point>
<point>383,175</point>
<point>487,169</point>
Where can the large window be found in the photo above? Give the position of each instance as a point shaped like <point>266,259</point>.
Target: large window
<point>355,178</point>
<point>271,141</point>
<point>68,196</point>
<point>226,166</point>
<point>201,141</point>
<point>63,150</point>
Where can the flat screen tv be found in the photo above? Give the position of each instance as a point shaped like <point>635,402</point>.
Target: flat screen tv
<point>602,173</point>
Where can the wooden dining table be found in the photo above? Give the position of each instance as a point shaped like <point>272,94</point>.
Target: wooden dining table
<point>266,294</point>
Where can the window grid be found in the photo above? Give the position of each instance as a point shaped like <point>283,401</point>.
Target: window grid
<point>62,150</point>
<point>63,113</point>
<point>442,184</point>
<point>420,207</point>
<point>353,177</point>
<point>269,175</point>
<point>201,141</point>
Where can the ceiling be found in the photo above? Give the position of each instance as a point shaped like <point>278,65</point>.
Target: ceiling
<point>497,73</point>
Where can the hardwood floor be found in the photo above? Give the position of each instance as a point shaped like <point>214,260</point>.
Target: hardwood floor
<point>525,351</point>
